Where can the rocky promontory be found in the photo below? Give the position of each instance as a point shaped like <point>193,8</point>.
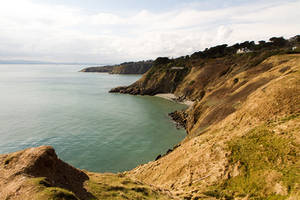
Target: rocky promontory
<point>140,67</point>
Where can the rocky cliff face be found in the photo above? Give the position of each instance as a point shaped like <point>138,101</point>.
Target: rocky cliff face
<point>124,68</point>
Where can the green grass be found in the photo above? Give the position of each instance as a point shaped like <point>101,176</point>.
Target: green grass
<point>259,154</point>
<point>55,193</point>
<point>50,193</point>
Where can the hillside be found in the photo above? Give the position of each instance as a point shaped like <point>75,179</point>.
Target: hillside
<point>242,140</point>
<point>123,68</point>
<point>243,137</point>
<point>243,128</point>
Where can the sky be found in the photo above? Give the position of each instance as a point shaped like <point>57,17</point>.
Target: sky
<point>114,31</point>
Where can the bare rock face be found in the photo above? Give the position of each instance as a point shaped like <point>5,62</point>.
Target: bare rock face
<point>180,117</point>
<point>39,162</point>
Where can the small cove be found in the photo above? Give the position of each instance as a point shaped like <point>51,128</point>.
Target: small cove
<point>73,112</point>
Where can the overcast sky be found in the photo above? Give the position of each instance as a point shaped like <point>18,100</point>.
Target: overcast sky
<point>113,31</point>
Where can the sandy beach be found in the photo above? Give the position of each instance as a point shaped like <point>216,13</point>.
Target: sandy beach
<point>172,97</point>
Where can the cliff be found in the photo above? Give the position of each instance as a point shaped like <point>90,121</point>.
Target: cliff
<point>123,68</point>
<point>243,137</point>
<point>243,140</point>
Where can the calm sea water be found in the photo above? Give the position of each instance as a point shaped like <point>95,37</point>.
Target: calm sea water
<point>89,127</point>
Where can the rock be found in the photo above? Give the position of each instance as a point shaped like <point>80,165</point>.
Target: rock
<point>180,117</point>
<point>158,157</point>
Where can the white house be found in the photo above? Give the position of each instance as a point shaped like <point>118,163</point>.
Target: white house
<point>243,50</point>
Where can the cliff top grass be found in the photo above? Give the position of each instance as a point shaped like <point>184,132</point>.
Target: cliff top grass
<point>99,186</point>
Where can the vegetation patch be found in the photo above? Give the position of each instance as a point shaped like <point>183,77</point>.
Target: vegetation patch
<point>41,181</point>
<point>46,191</point>
<point>268,167</point>
<point>55,193</point>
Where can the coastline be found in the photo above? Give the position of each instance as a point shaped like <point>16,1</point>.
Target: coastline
<point>172,97</point>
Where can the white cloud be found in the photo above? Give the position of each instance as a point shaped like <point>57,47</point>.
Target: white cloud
<point>59,33</point>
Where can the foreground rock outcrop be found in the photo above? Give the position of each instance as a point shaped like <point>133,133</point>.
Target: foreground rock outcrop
<point>37,173</point>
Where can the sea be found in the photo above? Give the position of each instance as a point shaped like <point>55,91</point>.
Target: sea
<point>89,127</point>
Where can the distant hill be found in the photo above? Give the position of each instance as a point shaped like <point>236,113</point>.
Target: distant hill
<point>124,68</point>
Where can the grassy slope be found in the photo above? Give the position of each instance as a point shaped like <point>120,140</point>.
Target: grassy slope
<point>259,140</point>
<point>266,164</point>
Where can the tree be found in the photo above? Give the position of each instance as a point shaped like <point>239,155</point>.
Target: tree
<point>162,61</point>
<point>278,41</point>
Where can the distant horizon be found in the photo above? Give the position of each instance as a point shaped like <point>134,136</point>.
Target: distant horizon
<point>40,62</point>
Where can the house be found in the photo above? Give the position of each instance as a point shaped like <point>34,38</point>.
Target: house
<point>243,50</point>
<point>294,48</point>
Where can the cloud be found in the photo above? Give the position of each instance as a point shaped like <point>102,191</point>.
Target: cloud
<point>35,31</point>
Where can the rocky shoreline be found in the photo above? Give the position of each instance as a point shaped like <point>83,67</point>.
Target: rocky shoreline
<point>180,118</point>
